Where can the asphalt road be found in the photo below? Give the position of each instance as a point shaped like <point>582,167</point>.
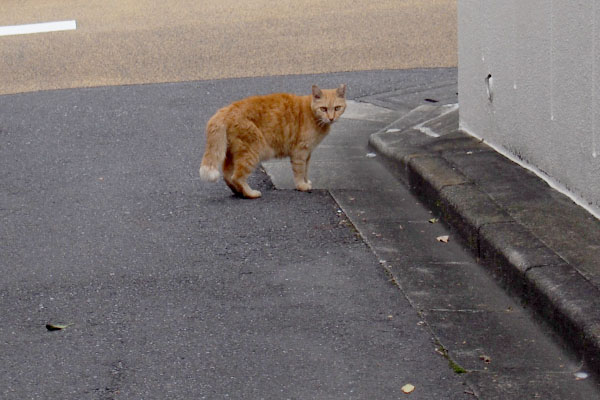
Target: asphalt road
<point>121,42</point>
<point>174,288</point>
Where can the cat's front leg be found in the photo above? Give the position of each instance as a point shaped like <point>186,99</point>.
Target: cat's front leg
<point>306,171</point>
<point>299,167</point>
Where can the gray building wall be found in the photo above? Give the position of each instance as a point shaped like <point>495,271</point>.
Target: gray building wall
<point>544,60</point>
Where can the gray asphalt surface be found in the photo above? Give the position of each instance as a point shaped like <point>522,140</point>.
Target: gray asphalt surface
<point>174,288</point>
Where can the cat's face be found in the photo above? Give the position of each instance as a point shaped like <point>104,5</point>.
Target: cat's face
<point>328,104</point>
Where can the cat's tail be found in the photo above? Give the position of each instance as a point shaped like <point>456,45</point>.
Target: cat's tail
<point>216,147</point>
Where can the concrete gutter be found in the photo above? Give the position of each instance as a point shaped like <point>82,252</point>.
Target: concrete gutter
<point>537,243</point>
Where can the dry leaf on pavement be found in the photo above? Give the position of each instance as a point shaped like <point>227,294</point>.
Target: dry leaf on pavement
<point>57,327</point>
<point>443,239</point>
<point>408,388</point>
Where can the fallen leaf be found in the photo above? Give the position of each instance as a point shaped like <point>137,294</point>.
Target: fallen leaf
<point>408,388</point>
<point>443,239</point>
<point>433,220</point>
<point>485,359</point>
<point>57,327</point>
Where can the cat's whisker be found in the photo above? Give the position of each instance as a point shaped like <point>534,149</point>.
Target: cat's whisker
<point>322,123</point>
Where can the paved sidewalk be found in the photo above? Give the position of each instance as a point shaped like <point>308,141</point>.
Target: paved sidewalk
<point>535,241</point>
<point>488,337</point>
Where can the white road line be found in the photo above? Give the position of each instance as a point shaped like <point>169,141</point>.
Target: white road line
<point>38,28</point>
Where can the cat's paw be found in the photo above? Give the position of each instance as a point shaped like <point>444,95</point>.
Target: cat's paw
<point>308,181</point>
<point>304,186</point>
<point>252,194</point>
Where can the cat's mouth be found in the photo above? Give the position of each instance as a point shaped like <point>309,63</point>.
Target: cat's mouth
<point>327,121</point>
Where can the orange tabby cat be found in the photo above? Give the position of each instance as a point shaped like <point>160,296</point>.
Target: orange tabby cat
<point>258,128</point>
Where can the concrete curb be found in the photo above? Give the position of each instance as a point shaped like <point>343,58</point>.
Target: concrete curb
<point>446,168</point>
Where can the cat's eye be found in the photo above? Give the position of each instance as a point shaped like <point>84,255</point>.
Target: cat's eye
<point>338,108</point>
<point>324,109</point>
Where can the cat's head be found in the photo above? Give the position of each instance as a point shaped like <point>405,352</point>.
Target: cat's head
<point>328,104</point>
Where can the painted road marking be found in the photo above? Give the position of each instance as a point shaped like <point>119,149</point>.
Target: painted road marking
<point>38,28</point>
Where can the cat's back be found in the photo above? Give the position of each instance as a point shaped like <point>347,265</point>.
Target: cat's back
<point>275,106</point>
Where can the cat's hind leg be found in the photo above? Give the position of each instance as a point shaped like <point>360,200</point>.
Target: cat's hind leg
<point>243,164</point>
<point>228,173</point>
<point>244,152</point>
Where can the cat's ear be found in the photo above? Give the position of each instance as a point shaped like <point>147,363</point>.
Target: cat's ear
<point>316,92</point>
<point>341,91</point>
